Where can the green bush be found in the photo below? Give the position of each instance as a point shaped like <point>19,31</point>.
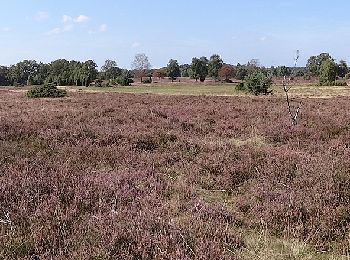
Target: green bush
<point>257,83</point>
<point>340,83</point>
<point>240,87</point>
<point>147,81</point>
<point>46,91</point>
<point>123,81</point>
<point>99,83</point>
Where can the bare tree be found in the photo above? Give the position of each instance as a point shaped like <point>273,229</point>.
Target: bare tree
<point>141,64</point>
<point>293,115</point>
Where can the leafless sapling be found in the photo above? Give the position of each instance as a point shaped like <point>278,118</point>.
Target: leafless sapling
<point>293,115</point>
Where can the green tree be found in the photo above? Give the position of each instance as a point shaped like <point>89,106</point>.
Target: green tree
<point>199,68</point>
<point>110,70</point>
<point>4,80</point>
<point>257,83</point>
<point>283,71</point>
<point>173,70</point>
<point>314,63</point>
<point>89,72</point>
<point>60,72</point>
<point>328,73</point>
<point>185,70</point>
<point>214,65</point>
<point>22,72</point>
<point>241,72</point>
<point>342,69</point>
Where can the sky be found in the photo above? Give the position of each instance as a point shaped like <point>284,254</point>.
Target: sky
<point>238,30</point>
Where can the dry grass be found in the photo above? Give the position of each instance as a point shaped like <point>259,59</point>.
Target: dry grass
<point>306,90</point>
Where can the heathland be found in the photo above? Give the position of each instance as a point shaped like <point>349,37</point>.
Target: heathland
<point>108,175</point>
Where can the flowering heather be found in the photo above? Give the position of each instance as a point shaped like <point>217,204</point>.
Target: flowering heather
<point>123,176</point>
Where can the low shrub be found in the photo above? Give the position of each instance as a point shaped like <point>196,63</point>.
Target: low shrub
<point>340,83</point>
<point>240,87</point>
<point>100,83</point>
<point>147,81</point>
<point>46,91</point>
<point>257,83</point>
<point>333,83</point>
<point>123,81</point>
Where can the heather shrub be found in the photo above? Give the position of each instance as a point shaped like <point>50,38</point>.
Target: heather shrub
<point>122,176</point>
<point>146,143</point>
<point>46,91</point>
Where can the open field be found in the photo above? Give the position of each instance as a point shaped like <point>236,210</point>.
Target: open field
<point>304,90</point>
<point>139,176</point>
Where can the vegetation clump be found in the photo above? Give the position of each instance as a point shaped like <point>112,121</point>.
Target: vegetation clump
<point>328,73</point>
<point>46,91</point>
<point>123,81</point>
<point>257,83</point>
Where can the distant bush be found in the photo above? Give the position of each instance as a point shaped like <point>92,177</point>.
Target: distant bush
<point>147,81</point>
<point>307,77</point>
<point>123,81</point>
<point>240,87</point>
<point>347,75</point>
<point>47,90</point>
<point>257,83</point>
<point>336,83</point>
<point>340,83</point>
<point>99,83</point>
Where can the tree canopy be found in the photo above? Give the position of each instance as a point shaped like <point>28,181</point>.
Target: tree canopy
<point>214,65</point>
<point>173,69</point>
<point>199,68</point>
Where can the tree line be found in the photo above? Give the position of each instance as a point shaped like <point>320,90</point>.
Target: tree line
<point>76,73</point>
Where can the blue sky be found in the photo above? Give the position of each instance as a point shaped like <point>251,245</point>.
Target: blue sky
<point>238,30</point>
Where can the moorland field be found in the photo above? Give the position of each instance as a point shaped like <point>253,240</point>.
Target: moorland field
<point>107,175</point>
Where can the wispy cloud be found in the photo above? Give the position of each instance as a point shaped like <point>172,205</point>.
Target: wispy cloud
<point>41,16</point>
<point>6,29</point>
<point>66,18</point>
<point>59,30</point>
<point>81,19</point>
<point>68,24</point>
<point>103,28</point>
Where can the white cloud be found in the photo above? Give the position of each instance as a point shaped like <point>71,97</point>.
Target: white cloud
<point>59,30</point>
<point>82,19</point>
<point>66,18</point>
<point>135,45</point>
<point>40,16</point>
<point>69,24</point>
<point>103,28</point>
<point>6,29</point>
